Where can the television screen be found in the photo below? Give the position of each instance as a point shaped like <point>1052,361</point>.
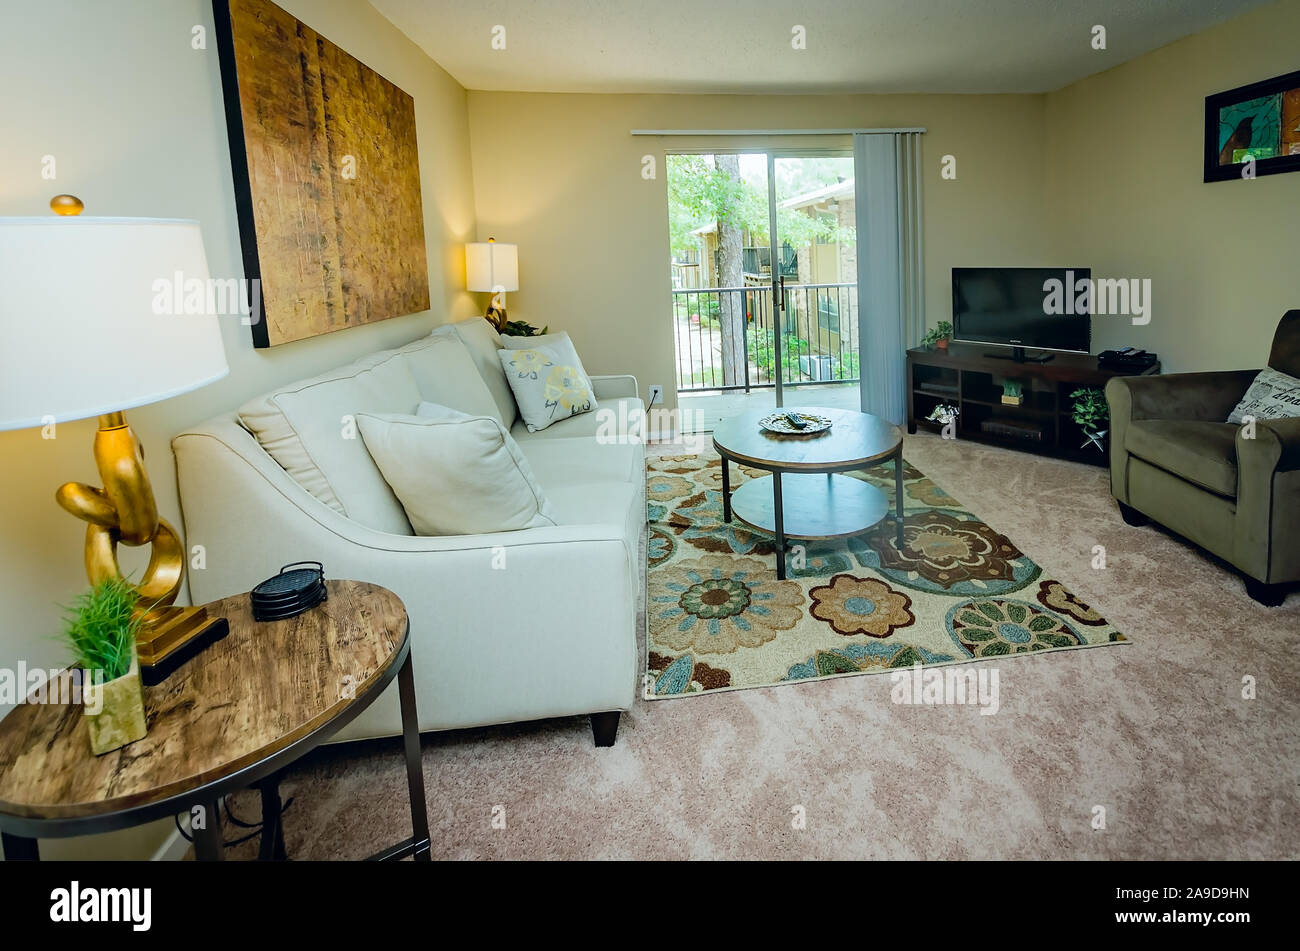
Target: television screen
<point>1016,307</point>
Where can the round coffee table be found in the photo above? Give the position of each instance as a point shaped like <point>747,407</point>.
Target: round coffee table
<point>796,501</point>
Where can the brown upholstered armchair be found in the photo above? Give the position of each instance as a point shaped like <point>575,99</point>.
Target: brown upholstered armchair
<point>1174,459</point>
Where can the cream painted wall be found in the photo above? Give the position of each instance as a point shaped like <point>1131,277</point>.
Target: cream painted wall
<point>133,116</point>
<point>561,176</point>
<point>1123,179</point>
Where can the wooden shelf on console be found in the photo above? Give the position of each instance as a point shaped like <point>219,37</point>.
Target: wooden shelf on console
<point>970,376</point>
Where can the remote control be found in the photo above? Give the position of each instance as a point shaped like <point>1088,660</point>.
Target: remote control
<point>797,421</point>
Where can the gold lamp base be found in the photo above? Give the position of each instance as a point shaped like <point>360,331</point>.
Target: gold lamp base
<point>124,512</point>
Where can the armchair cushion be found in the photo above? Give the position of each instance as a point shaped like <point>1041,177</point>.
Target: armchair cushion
<point>1208,396</point>
<point>1201,452</point>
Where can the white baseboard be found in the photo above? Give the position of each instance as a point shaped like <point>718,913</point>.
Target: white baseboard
<point>174,847</point>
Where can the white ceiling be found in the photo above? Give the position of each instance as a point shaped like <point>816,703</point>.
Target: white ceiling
<point>744,46</point>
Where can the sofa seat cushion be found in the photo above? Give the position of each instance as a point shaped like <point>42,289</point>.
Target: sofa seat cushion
<point>309,428</point>
<point>446,374</point>
<point>622,417</point>
<point>608,504</point>
<point>483,342</point>
<point>1203,453</point>
<point>567,462</point>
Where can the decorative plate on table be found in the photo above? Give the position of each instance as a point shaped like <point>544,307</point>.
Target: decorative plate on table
<point>777,423</point>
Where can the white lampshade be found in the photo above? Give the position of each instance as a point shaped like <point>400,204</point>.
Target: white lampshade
<point>490,266</point>
<point>80,331</point>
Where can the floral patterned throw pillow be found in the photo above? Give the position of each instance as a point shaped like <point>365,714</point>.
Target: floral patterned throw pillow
<point>547,387</point>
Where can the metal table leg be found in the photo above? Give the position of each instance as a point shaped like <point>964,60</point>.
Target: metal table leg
<point>272,845</point>
<point>726,490</point>
<point>780,526</point>
<point>898,494</point>
<point>414,771</point>
<point>208,845</point>
<point>19,848</point>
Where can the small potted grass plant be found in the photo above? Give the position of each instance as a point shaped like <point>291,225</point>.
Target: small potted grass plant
<point>100,628</point>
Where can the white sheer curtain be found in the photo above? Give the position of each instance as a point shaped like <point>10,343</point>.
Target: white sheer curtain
<point>891,305</point>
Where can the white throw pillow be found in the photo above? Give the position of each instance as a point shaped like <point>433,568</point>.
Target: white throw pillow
<point>1272,395</point>
<point>455,474</point>
<point>549,384</point>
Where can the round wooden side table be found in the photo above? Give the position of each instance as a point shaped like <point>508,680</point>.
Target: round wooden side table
<point>232,717</point>
<point>796,503</point>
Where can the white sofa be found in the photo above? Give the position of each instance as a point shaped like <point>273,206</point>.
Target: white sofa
<point>504,627</point>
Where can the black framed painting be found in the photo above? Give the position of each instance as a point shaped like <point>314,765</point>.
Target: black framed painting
<point>1253,130</point>
<point>327,178</point>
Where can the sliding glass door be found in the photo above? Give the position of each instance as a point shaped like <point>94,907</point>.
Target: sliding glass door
<point>719,228</point>
<point>812,208</point>
<point>764,284</point>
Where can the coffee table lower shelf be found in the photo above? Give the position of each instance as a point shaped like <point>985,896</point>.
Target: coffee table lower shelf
<point>814,507</point>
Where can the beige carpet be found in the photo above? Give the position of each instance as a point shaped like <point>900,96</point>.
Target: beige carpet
<point>1156,733</point>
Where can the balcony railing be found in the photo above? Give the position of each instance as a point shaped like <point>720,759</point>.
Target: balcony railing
<point>819,327</point>
<point>758,262</point>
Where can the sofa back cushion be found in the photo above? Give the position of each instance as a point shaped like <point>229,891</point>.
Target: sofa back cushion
<point>483,343</point>
<point>309,428</point>
<point>446,374</point>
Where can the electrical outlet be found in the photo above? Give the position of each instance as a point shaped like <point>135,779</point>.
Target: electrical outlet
<point>656,393</point>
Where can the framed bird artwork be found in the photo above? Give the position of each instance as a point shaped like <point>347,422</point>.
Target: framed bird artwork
<point>1253,130</point>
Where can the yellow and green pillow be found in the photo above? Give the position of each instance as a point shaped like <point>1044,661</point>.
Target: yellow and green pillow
<point>548,385</point>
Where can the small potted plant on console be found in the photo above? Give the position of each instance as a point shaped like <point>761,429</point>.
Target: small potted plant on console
<point>938,335</point>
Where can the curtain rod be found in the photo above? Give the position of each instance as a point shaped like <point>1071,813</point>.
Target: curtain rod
<point>770,131</point>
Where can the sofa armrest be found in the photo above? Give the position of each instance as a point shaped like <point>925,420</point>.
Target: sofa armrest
<point>615,387</point>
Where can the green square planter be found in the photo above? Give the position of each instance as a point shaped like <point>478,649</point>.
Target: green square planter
<point>120,719</point>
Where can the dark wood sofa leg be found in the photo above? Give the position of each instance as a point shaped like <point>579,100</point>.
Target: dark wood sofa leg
<point>604,727</point>
<point>1131,515</point>
<point>1269,595</point>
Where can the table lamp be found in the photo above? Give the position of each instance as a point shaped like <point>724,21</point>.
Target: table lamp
<point>94,324</point>
<point>494,267</point>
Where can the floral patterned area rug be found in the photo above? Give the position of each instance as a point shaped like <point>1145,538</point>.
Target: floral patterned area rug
<point>719,619</point>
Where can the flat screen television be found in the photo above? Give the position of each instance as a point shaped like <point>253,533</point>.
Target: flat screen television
<point>1011,307</point>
